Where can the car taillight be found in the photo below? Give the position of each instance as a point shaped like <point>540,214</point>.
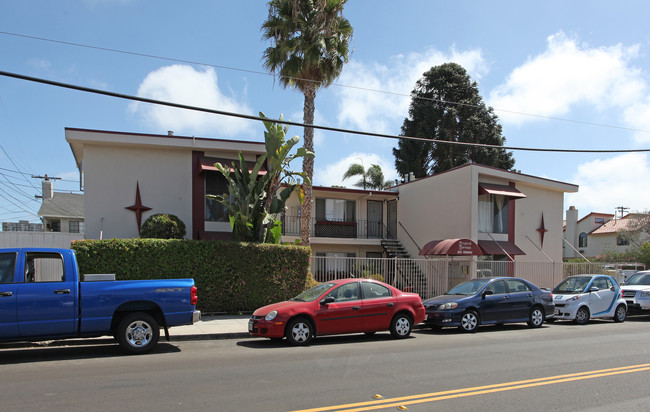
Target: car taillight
<point>193,297</point>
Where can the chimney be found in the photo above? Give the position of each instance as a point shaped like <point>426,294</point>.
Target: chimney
<point>571,230</point>
<point>48,188</point>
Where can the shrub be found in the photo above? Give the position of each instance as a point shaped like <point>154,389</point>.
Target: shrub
<point>231,276</point>
<point>163,226</point>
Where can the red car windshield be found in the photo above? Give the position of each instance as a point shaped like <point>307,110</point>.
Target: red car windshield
<point>313,293</point>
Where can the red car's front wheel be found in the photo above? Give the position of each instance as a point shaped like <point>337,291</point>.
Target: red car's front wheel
<point>299,331</point>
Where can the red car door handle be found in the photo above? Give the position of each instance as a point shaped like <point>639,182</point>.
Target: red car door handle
<point>390,304</point>
<point>356,307</point>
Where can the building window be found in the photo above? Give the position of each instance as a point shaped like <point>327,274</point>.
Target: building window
<point>215,184</point>
<point>493,213</point>
<point>582,240</point>
<point>622,240</point>
<point>600,220</point>
<point>53,225</point>
<point>335,210</point>
<point>75,226</point>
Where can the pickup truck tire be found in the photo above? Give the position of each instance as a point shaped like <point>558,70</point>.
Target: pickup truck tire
<point>138,333</point>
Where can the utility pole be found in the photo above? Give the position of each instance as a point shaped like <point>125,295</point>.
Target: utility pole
<point>621,210</point>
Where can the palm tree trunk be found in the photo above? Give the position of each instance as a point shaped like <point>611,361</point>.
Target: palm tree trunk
<point>308,163</point>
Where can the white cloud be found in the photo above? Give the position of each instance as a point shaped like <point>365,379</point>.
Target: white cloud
<point>332,174</point>
<point>363,108</point>
<point>608,183</point>
<point>568,74</point>
<point>184,85</point>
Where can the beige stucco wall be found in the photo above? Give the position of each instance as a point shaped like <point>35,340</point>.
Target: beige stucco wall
<point>529,211</point>
<point>111,175</point>
<point>437,208</point>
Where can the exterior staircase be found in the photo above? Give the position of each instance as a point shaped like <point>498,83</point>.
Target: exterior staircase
<point>409,277</point>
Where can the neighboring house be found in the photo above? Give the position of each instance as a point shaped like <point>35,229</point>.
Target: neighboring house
<point>22,226</point>
<point>511,216</point>
<point>597,233</point>
<point>127,177</point>
<point>63,212</point>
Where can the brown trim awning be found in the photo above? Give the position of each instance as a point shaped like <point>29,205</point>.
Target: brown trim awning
<point>207,163</point>
<point>453,247</point>
<point>489,188</point>
<point>497,247</point>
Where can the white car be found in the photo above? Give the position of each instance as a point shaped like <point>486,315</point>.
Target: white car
<point>636,292</point>
<point>583,297</point>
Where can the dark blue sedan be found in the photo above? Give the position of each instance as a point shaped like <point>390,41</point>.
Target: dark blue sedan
<point>490,301</point>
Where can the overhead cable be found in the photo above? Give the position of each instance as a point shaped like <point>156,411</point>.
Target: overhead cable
<point>290,123</point>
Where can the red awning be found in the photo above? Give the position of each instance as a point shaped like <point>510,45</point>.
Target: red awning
<point>489,188</point>
<point>454,247</point>
<point>208,164</point>
<point>497,247</point>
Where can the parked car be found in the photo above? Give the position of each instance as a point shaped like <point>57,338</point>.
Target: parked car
<point>583,297</point>
<point>636,292</point>
<point>339,306</point>
<point>42,297</point>
<point>484,301</point>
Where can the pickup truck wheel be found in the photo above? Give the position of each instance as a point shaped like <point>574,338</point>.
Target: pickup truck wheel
<point>138,333</point>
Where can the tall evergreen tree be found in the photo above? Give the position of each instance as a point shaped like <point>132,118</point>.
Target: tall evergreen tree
<point>310,44</point>
<point>446,105</point>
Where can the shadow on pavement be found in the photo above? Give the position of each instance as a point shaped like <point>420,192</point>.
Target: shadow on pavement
<point>264,343</point>
<point>9,355</point>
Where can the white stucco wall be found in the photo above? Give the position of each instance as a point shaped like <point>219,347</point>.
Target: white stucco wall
<point>111,176</point>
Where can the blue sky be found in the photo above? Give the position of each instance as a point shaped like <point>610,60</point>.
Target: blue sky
<point>559,74</point>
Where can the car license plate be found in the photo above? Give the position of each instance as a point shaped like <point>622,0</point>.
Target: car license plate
<point>426,316</point>
<point>557,312</point>
<point>250,325</point>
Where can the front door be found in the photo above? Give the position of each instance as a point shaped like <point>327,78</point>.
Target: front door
<point>602,300</point>
<point>375,213</point>
<point>392,219</point>
<point>344,314</point>
<point>46,300</point>
<point>8,319</point>
<point>495,307</point>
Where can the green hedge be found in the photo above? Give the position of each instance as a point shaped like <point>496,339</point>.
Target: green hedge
<point>231,276</point>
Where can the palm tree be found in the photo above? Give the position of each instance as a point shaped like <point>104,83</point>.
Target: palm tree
<point>310,40</point>
<point>373,178</point>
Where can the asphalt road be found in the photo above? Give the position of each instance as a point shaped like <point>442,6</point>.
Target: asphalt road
<point>602,366</point>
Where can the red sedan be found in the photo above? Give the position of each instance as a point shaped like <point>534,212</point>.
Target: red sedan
<point>339,306</point>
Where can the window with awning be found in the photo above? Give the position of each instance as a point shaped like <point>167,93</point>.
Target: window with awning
<point>493,206</point>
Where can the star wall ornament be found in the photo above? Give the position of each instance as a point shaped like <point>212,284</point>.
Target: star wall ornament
<point>542,230</point>
<point>138,207</point>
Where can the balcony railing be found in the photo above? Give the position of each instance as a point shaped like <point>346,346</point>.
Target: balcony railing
<point>357,229</point>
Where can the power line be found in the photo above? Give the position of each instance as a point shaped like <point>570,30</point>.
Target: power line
<point>172,59</point>
<point>290,123</point>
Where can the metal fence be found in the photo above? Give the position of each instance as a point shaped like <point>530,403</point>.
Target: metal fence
<point>431,277</point>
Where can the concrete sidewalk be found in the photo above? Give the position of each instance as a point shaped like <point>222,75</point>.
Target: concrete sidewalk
<point>212,327</point>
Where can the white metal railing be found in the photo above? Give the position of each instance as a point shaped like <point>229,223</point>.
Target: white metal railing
<point>431,277</point>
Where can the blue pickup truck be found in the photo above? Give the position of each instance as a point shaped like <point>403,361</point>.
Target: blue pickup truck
<point>43,298</point>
